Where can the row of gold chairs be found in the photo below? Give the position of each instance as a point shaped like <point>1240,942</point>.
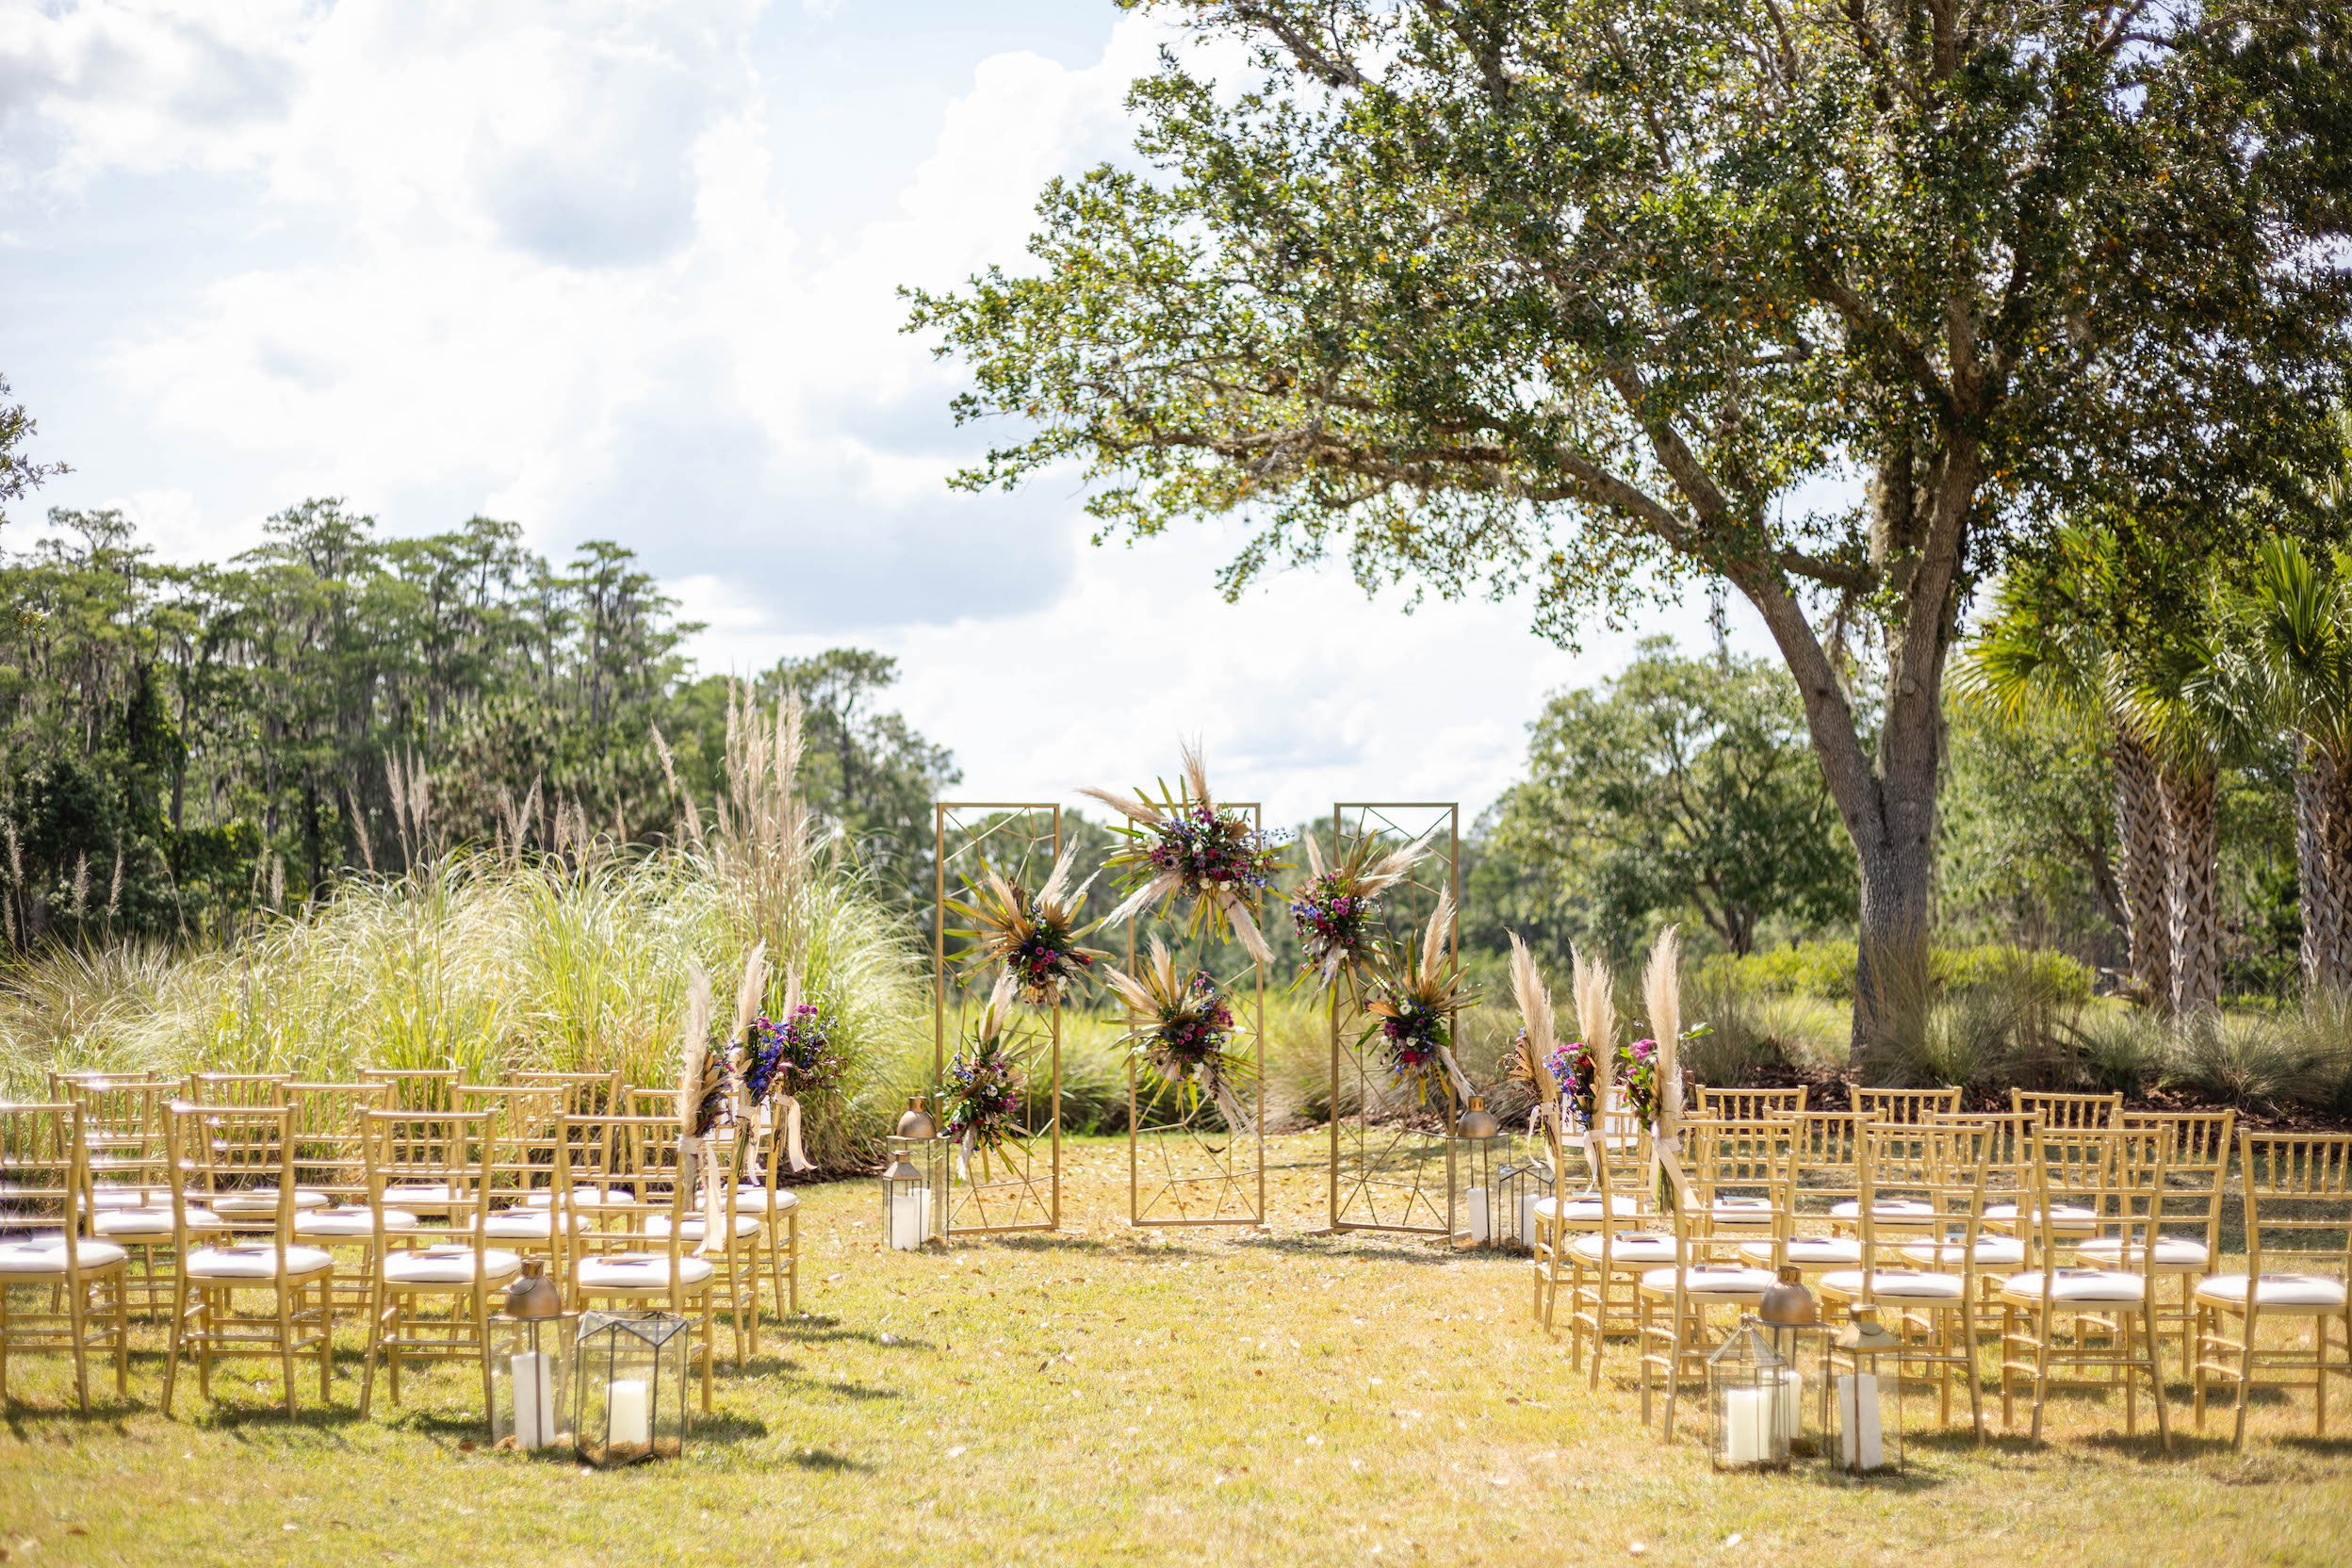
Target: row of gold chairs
<point>406,1200</point>
<point>2078,1235</point>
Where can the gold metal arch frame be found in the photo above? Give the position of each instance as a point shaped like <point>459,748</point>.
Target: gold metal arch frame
<point>1392,1167</point>
<point>1184,1165</point>
<point>1018,1188</point>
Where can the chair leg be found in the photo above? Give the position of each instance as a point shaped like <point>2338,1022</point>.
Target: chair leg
<point>791,1259</point>
<point>2156,1379</point>
<point>2045,1323</point>
<point>172,1348</point>
<point>709,1350</point>
<point>123,1333</point>
<point>287,1292</point>
<point>326,1341</point>
<point>77,1324</point>
<point>2246,1370</point>
<point>375,1346</point>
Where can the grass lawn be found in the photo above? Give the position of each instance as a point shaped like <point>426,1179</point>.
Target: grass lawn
<point>1109,1397</point>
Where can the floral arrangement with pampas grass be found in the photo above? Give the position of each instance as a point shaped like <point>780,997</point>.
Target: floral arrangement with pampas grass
<point>1337,912</point>
<point>1660,1098</point>
<point>1035,936</point>
<point>1184,845</point>
<point>1415,995</point>
<point>1180,1027</point>
<point>980,1094</point>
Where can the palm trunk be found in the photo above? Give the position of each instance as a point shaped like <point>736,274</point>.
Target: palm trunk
<point>2192,830</point>
<point>2140,851</point>
<point>2323,798</point>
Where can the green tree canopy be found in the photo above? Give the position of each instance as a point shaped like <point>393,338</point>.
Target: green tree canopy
<point>1575,294</point>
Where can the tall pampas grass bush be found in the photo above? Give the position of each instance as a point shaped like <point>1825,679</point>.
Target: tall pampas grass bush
<point>496,962</point>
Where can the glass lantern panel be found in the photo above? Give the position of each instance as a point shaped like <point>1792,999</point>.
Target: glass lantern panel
<point>630,1386</point>
<point>531,1366</point>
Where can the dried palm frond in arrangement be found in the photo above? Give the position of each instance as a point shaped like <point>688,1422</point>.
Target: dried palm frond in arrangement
<point>980,1094</point>
<point>1180,1027</point>
<point>702,1073</point>
<point>1337,912</point>
<point>1183,845</point>
<point>1035,936</point>
<point>1414,996</point>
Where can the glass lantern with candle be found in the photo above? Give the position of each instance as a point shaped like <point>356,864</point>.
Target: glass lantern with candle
<point>1752,1403</point>
<point>531,1361</point>
<point>1788,1316</point>
<point>1869,1406</point>
<point>629,1386</point>
<point>1523,1180</point>
<point>1476,1131</point>
<point>914,1182</point>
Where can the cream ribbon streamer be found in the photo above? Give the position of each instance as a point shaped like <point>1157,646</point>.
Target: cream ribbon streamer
<point>795,1157</point>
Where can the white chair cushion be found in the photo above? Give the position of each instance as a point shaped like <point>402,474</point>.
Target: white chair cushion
<point>2080,1286</point>
<point>448,1266</point>
<point>1739,1212</point>
<point>143,1224</point>
<point>529,1224</point>
<point>2278,1290</point>
<point>1634,1251</point>
<point>584,1198</point>
<point>2174,1254</point>
<point>39,1258</point>
<point>2066,1216</point>
<point>104,1198</point>
<point>1587,1209</point>
<point>755,1200</point>
<point>1901,1283</point>
<point>418,1195</point>
<point>254,1263</point>
<point>342,1224</point>
<point>1991,1253</point>
<point>1808,1252</point>
<point>1716,1282</point>
<point>746,1226</point>
<point>1885,1209</point>
<point>626,1273</point>
<point>264,1201</point>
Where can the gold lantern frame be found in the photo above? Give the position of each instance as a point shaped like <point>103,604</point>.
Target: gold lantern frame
<point>1184,1165</point>
<point>1390,1175</point>
<point>1019,1188</point>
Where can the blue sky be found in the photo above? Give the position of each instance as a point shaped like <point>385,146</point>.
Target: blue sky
<point>629,272</point>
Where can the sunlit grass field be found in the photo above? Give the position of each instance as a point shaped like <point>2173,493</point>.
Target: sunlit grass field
<point>1102,1396</point>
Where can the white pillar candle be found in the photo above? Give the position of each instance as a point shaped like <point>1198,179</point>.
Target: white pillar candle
<point>630,1420</point>
<point>1861,1445</point>
<point>907,1220</point>
<point>922,1216</point>
<point>1788,1407</point>
<point>1527,1218</point>
<point>534,1398</point>
<point>1747,1425</point>
<point>1482,1230</point>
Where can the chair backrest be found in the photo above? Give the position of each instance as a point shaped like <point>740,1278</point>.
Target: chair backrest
<point>1742,1158</point>
<point>2091,1182</point>
<point>244,1152</point>
<point>643,1209</point>
<point>1938,1164</point>
<point>1749,1104</point>
<point>1906,1104</point>
<point>44,1176</point>
<point>2009,1154</point>
<point>2068,1110</point>
<point>234,1089</point>
<point>2299,1202</point>
<point>329,1140</point>
<point>415,1089</point>
<point>524,1122</point>
<point>61,1080</point>
<point>443,1150</point>
<point>2197,1166</point>
<point>584,1093</point>
<point>123,1132</point>
<point>1826,1160</point>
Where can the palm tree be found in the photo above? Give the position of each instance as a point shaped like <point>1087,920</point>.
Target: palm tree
<point>2293,619</point>
<point>2040,651</point>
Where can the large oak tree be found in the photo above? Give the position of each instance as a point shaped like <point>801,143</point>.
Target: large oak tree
<point>1577,294</point>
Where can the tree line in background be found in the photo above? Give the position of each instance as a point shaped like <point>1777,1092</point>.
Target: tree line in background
<point>183,744</point>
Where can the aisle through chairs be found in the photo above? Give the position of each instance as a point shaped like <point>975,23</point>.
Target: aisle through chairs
<point>73,1279</point>
<point>2298,1268</point>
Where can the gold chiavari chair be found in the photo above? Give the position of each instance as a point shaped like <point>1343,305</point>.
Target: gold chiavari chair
<point>330,1162</point>
<point>74,1278</point>
<point>456,1268</point>
<point>122,1126</point>
<point>1933,1291</point>
<point>255,1089</point>
<point>2299,1265</point>
<point>1707,1274</point>
<point>2197,1171</point>
<point>624,1258</point>
<point>2109,1314</point>
<point>1905,1105</point>
<point>1612,1185</point>
<point>2082,1112</point>
<point>778,1207</point>
<point>2008,1147</point>
<point>240,1159</point>
<point>587,1100</point>
<point>1747,1104</point>
<point>63,1079</point>
<point>716,1211</point>
<point>415,1089</point>
<point>584,1093</point>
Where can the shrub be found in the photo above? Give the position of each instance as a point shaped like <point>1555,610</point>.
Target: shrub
<point>1826,969</point>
